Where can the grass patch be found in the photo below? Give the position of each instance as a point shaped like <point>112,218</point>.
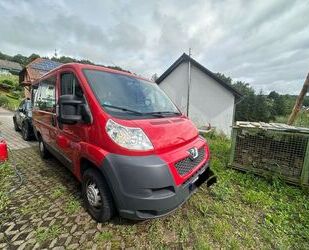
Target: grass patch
<point>302,119</point>
<point>13,78</point>
<point>104,236</point>
<point>6,174</point>
<point>48,234</point>
<point>13,103</point>
<point>58,192</point>
<point>35,205</point>
<point>72,206</point>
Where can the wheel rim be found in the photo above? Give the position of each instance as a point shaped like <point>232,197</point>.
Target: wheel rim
<point>41,145</point>
<point>93,195</point>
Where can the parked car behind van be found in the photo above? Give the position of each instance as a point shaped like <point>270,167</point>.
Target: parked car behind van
<point>22,120</point>
<point>122,137</point>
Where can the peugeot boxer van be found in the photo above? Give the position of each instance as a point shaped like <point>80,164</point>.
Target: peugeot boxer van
<point>131,148</point>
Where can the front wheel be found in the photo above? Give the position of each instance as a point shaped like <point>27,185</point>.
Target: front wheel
<point>97,196</point>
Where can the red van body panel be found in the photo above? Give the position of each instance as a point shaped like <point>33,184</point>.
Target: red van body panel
<point>171,138</point>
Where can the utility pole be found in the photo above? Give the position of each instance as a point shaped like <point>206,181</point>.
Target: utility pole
<point>189,83</point>
<point>56,53</point>
<point>299,101</point>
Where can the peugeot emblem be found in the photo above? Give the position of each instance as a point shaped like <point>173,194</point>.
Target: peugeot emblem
<point>193,153</point>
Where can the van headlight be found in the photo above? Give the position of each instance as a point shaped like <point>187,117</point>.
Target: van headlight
<point>130,138</point>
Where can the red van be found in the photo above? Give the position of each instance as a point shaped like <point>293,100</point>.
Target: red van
<point>122,137</point>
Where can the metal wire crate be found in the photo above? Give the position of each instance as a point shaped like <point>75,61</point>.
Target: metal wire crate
<point>271,149</point>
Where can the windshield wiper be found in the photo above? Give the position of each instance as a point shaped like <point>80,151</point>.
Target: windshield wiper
<point>123,109</point>
<point>158,113</point>
<point>162,113</point>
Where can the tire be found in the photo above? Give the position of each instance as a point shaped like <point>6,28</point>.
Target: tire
<point>16,128</point>
<point>93,184</point>
<point>25,131</point>
<point>44,153</point>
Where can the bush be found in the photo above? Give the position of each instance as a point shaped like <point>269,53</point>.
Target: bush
<point>8,82</point>
<point>4,101</point>
<point>18,88</point>
<point>5,86</point>
<point>14,96</point>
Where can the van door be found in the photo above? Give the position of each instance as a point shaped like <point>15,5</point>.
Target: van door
<point>69,135</point>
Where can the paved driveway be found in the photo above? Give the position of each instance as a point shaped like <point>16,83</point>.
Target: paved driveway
<point>46,211</point>
<point>14,139</point>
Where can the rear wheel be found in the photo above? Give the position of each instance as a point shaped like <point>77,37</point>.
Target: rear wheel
<point>43,150</point>
<point>15,125</point>
<point>97,196</point>
<point>25,131</point>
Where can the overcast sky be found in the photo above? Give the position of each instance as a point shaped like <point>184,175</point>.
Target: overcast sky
<point>265,43</point>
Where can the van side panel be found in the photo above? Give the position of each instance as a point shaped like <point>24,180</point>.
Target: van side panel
<point>90,152</point>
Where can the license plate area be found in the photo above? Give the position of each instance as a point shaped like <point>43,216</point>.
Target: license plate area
<point>197,180</point>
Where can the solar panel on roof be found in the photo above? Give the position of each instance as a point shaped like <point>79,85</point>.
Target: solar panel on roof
<point>46,65</point>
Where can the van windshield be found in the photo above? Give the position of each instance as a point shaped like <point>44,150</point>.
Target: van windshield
<point>127,96</point>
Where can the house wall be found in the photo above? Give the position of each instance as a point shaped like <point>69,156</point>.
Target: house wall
<point>5,72</point>
<point>175,86</point>
<point>210,102</point>
<point>27,92</point>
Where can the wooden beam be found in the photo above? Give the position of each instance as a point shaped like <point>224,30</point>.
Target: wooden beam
<point>299,101</point>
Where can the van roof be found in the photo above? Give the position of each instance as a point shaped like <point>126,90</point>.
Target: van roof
<point>81,66</point>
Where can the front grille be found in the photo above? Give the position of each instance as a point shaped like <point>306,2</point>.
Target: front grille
<point>186,165</point>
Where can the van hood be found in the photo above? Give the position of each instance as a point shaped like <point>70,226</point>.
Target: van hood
<point>166,133</point>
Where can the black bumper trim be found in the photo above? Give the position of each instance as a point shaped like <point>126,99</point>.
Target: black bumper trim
<point>143,187</point>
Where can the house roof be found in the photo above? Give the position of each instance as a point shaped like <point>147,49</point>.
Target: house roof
<point>11,66</point>
<point>36,69</point>
<point>185,58</point>
<point>43,64</point>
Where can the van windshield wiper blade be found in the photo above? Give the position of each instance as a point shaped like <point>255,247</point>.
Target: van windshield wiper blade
<point>123,109</point>
<point>164,113</point>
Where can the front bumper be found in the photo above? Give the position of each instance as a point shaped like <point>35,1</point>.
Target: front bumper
<point>144,188</point>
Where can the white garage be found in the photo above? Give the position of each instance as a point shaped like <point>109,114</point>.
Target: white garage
<point>211,100</point>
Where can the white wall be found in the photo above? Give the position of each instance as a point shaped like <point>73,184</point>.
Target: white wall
<point>175,86</point>
<point>210,102</point>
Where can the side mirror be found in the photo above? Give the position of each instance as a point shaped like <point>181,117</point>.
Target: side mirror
<point>69,109</point>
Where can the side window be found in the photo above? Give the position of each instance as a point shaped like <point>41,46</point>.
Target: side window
<point>45,96</point>
<point>70,85</point>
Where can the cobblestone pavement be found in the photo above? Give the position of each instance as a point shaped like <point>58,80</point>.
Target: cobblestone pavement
<point>14,139</point>
<point>46,211</point>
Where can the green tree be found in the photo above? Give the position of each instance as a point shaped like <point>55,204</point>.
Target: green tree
<point>245,106</point>
<point>279,104</point>
<point>23,60</point>
<point>5,57</point>
<point>32,57</point>
<point>262,108</point>
<point>224,78</point>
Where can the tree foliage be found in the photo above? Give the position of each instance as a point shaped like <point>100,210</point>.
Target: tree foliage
<point>254,106</point>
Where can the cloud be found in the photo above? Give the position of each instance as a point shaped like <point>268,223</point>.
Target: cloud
<point>262,42</point>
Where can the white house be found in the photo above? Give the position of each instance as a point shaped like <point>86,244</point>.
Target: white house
<point>211,100</point>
